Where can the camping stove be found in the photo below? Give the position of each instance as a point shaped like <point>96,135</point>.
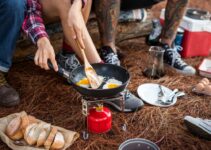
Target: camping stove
<point>97,117</point>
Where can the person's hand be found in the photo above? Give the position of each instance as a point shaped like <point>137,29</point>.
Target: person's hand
<point>44,53</point>
<point>76,22</point>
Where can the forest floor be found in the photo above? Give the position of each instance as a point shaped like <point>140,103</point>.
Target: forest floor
<point>48,97</point>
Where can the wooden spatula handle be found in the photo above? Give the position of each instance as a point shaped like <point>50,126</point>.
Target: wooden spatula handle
<point>82,53</point>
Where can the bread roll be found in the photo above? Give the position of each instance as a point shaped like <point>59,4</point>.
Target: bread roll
<point>43,135</point>
<point>58,141</point>
<point>29,134</point>
<point>50,138</point>
<point>27,120</point>
<point>17,136</point>
<point>42,138</point>
<point>13,127</point>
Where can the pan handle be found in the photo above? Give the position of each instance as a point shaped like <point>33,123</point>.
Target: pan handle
<point>62,72</point>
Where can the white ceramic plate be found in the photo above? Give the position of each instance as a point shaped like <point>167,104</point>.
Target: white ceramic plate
<point>149,94</point>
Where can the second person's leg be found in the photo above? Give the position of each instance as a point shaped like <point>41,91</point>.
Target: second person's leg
<point>175,10</point>
<point>107,13</point>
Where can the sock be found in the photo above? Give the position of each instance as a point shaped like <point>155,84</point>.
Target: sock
<point>101,62</point>
<point>164,45</point>
<point>108,49</point>
<point>66,49</point>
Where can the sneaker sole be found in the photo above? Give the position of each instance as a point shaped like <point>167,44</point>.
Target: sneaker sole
<point>179,71</point>
<point>196,130</point>
<point>11,104</point>
<point>184,73</point>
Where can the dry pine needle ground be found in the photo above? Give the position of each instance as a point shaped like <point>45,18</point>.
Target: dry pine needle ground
<point>48,97</point>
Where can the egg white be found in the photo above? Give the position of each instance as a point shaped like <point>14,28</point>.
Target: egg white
<point>112,81</point>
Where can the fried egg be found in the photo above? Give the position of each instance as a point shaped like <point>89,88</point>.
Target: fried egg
<point>85,82</point>
<point>112,83</point>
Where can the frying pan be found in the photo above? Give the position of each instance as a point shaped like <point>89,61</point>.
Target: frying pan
<point>105,70</point>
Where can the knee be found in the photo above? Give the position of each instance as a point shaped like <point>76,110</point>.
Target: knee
<point>16,7</point>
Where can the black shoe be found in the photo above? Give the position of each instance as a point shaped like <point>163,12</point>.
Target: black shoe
<point>132,103</point>
<point>67,61</point>
<point>173,58</point>
<point>8,96</point>
<point>108,56</point>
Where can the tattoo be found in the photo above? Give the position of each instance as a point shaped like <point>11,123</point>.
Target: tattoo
<point>175,10</point>
<point>107,12</point>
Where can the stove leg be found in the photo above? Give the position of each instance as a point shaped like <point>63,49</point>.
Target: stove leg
<point>124,127</point>
<point>122,101</point>
<point>85,108</point>
<point>85,135</point>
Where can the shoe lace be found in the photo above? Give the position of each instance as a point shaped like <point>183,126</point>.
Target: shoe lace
<point>111,58</point>
<point>127,94</point>
<point>176,58</point>
<point>2,79</point>
<point>72,62</point>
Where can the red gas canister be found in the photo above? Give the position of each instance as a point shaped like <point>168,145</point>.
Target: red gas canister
<point>99,120</point>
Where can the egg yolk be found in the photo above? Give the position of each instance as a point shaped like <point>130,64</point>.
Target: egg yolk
<point>112,85</point>
<point>83,82</point>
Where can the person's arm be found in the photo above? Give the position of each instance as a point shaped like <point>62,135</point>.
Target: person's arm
<point>84,2</point>
<point>33,24</point>
<point>76,21</point>
<point>34,27</point>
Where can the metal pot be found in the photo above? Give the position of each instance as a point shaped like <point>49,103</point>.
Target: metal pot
<point>138,144</point>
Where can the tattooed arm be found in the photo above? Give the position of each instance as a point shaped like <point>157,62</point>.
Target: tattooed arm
<point>107,12</point>
<point>175,10</point>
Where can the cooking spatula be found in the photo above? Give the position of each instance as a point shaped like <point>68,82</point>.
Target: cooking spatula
<point>89,70</point>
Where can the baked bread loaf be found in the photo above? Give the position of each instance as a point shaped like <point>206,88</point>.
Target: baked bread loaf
<point>35,133</point>
<point>50,138</point>
<point>13,129</point>
<point>43,135</point>
<point>29,135</point>
<point>27,120</point>
<point>17,136</point>
<point>58,142</point>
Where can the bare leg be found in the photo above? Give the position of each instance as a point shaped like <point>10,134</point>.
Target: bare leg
<point>59,9</point>
<point>175,10</point>
<point>107,12</point>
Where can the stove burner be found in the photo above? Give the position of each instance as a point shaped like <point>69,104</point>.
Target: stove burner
<point>198,14</point>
